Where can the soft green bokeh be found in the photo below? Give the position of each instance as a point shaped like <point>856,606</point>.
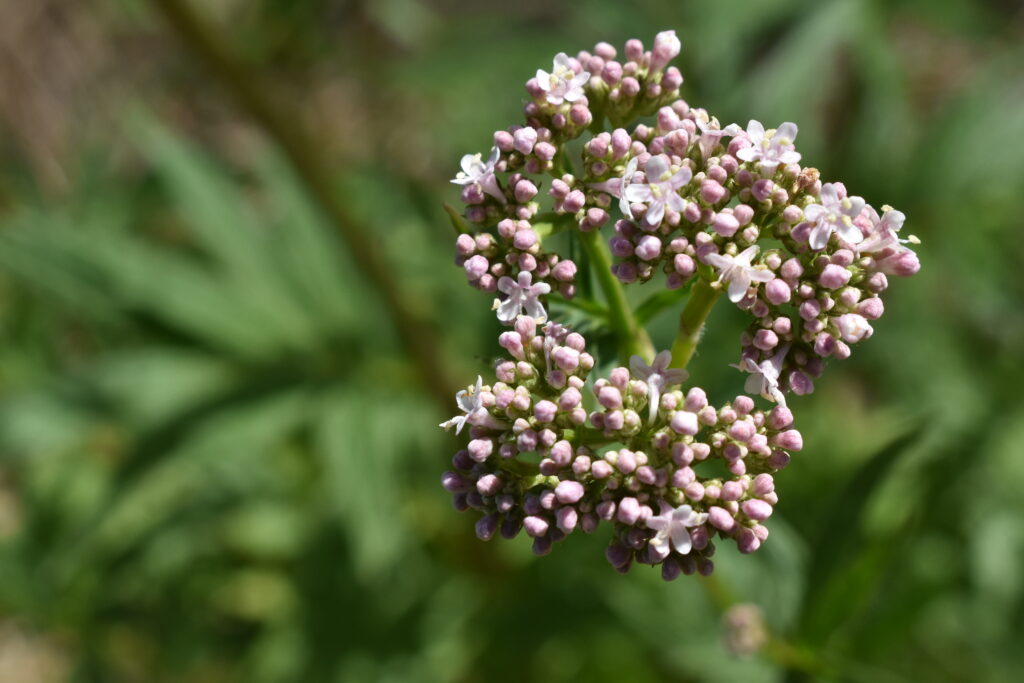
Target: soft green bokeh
<point>216,463</point>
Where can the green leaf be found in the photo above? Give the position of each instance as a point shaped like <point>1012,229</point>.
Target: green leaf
<point>844,562</point>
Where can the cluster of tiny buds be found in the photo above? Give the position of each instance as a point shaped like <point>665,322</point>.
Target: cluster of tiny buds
<point>515,249</point>
<point>638,469</point>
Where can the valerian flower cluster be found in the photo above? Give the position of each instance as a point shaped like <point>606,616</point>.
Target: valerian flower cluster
<point>688,202</point>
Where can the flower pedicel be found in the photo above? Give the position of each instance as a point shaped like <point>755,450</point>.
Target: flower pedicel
<point>721,209</point>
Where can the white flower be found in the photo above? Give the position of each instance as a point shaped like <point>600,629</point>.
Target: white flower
<point>475,170</point>
<point>672,525</point>
<point>562,84</point>
<point>764,376</point>
<point>658,375</point>
<point>885,231</point>
<point>470,403</point>
<point>522,294</point>
<point>772,147</point>
<point>660,190</point>
<point>711,132</point>
<point>834,215</point>
<point>738,272</point>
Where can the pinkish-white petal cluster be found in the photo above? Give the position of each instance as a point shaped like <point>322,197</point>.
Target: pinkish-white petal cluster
<point>738,272</point>
<point>770,147</point>
<point>764,376</point>
<point>673,525</point>
<point>470,403</point>
<point>661,190</point>
<point>563,84</point>
<point>523,295</point>
<point>834,214</point>
<point>658,375</point>
<point>476,171</point>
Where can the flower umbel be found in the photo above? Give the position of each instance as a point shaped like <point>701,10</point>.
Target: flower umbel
<point>550,449</point>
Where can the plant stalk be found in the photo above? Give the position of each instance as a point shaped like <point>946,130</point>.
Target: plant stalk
<point>632,338</point>
<point>691,321</point>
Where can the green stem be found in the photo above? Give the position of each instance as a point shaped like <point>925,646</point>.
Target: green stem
<point>691,321</point>
<point>632,338</point>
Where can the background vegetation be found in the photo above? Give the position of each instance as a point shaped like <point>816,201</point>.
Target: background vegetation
<point>218,448</point>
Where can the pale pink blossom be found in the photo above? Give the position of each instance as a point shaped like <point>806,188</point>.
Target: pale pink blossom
<point>470,403</point>
<point>476,171</point>
<point>661,189</point>
<point>834,215</point>
<point>671,525</point>
<point>522,295</point>
<point>657,375</point>
<point>563,84</point>
<point>771,147</point>
<point>738,272</point>
<point>764,376</point>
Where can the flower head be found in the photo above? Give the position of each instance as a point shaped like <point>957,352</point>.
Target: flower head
<point>476,171</point>
<point>660,190</point>
<point>563,84</point>
<point>834,214</point>
<point>738,271</point>
<point>522,295</point>
<point>469,402</point>
<point>771,147</point>
<point>658,375</point>
<point>671,525</point>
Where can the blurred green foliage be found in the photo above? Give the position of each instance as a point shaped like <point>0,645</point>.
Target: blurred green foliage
<point>216,463</point>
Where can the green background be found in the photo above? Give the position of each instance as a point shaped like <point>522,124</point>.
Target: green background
<point>218,461</point>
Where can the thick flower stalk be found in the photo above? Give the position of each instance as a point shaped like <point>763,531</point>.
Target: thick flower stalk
<point>685,202</point>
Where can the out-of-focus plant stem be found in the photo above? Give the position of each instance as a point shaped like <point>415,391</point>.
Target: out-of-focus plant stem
<point>632,338</point>
<point>417,336</point>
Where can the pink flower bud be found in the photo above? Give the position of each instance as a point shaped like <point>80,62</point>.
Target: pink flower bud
<point>476,267</point>
<point>756,509</point>
<point>790,439</point>
<point>766,339</point>
<point>721,519</point>
<point>545,411</point>
<point>574,201</point>
<point>853,327</point>
<point>629,510</point>
<point>725,223</point>
<point>791,269</point>
<point>569,492</point>
<point>566,518</point>
<point>649,248</point>
<point>601,469</point>
<point>535,526</point>
<point>672,79</point>
<point>834,276</point>
<point>712,191</point>
<point>684,422</point>
<point>626,461</point>
<point>666,48</point>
